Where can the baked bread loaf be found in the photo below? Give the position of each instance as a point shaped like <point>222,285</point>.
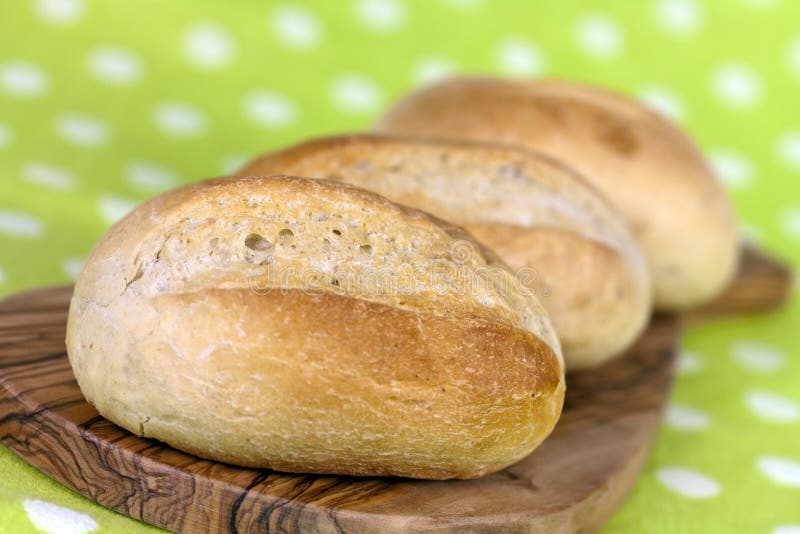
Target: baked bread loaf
<point>642,162</point>
<point>312,326</point>
<point>554,230</point>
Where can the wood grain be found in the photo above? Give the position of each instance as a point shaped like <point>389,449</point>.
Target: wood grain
<point>572,483</point>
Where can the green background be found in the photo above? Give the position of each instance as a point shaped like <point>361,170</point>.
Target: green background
<point>105,103</point>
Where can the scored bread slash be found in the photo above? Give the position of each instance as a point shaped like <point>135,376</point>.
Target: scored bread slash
<point>311,326</point>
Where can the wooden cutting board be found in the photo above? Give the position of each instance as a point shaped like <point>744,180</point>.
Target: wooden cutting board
<point>572,483</point>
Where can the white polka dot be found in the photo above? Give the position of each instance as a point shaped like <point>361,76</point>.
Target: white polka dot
<point>232,163</point>
<point>519,56</point>
<point>15,224</point>
<point>268,109</point>
<point>356,93</point>
<point>787,529</point>
<point>685,418</point>
<point>381,15</point>
<point>664,101</point>
<point>431,69</point>
<point>60,12</point>
<point>5,136</point>
<point>54,519</point>
<point>736,85</point>
<point>3,275</point>
<point>115,66</point>
<point>113,208</point>
<point>790,222</point>
<point>208,46</point>
<point>788,149</point>
<point>734,170</point>
<point>465,5</point>
<point>688,483</point>
<point>678,16</point>
<point>72,267</point>
<point>598,36</point>
<point>181,120</point>
<point>82,130</point>
<point>296,27</point>
<point>793,55</point>
<point>757,357</point>
<point>23,79</point>
<point>772,407</point>
<point>48,176</point>
<point>689,363</point>
<point>751,232</point>
<point>783,471</point>
<point>150,177</point>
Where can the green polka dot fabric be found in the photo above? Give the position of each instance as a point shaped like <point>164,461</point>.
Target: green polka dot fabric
<point>106,103</point>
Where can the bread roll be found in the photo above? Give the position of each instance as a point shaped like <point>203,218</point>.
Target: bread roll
<point>568,245</point>
<point>642,162</point>
<point>311,326</point>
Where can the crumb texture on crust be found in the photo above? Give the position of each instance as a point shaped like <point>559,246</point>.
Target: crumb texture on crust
<point>467,182</point>
<point>261,232</point>
<point>237,319</point>
<point>569,245</point>
<point>641,161</point>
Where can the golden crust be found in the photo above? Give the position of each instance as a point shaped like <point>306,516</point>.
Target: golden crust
<point>575,252</point>
<point>643,163</point>
<point>597,297</point>
<point>177,332</point>
<point>347,386</point>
